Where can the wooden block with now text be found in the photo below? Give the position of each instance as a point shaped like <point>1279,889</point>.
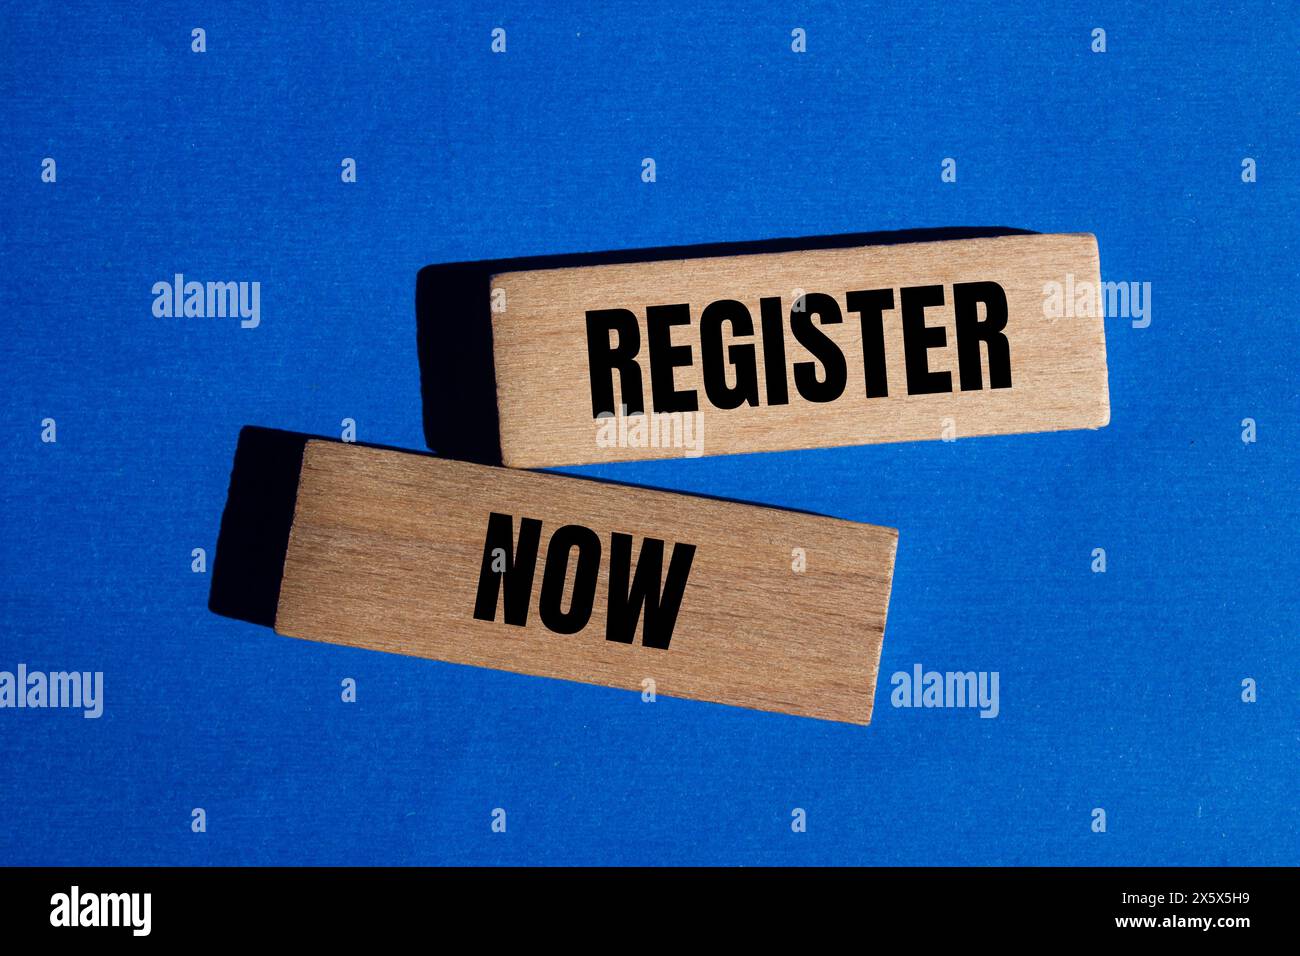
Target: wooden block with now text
<point>587,581</point>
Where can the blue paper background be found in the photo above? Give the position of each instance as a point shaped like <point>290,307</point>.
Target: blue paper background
<point>1119,691</point>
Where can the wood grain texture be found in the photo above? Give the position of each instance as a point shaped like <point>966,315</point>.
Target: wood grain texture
<point>1058,365</point>
<point>386,551</point>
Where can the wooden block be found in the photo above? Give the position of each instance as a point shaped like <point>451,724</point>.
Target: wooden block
<point>395,552</point>
<point>894,343</point>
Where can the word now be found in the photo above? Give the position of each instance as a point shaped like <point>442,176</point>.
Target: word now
<point>510,570</point>
<point>824,385</point>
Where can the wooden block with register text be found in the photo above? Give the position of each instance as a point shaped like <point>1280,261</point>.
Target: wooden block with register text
<point>823,347</point>
<point>587,581</point>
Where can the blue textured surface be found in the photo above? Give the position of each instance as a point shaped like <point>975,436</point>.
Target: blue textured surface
<point>1118,690</point>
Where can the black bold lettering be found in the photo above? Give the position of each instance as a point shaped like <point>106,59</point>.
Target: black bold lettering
<point>971,331</point>
<point>626,598</point>
<point>773,317</point>
<point>518,575</point>
<point>664,357</point>
<point>871,305</point>
<point>740,357</point>
<point>603,359</point>
<point>820,345</point>
<point>549,605</point>
<point>918,339</point>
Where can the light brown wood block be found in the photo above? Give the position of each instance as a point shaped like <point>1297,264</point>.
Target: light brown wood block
<point>392,551</point>
<point>893,343</point>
